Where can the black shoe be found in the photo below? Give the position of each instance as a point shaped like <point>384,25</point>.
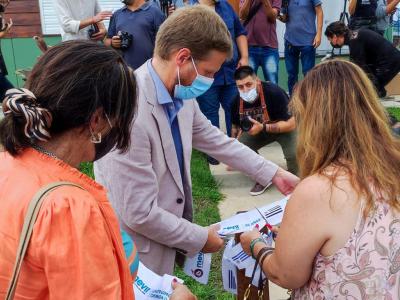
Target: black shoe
<point>212,161</point>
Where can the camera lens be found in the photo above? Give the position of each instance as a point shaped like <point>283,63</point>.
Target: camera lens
<point>246,124</point>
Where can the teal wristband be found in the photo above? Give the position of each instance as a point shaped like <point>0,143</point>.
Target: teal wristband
<point>253,243</point>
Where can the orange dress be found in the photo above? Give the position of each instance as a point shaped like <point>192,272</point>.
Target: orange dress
<point>76,248</point>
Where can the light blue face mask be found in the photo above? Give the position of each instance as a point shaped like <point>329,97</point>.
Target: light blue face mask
<point>198,87</point>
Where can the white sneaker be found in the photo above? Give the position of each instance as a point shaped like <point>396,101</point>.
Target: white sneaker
<point>259,189</point>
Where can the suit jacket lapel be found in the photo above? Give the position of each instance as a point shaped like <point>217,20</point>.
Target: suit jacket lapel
<point>164,128</point>
<point>186,135</point>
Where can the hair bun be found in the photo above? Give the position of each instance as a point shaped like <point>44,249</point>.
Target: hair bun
<point>22,103</point>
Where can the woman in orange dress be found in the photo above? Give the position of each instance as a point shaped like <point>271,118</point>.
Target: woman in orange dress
<point>79,104</point>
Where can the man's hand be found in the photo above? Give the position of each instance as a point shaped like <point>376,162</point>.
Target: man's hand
<point>7,28</point>
<point>317,41</point>
<point>235,131</point>
<point>244,61</point>
<point>214,242</point>
<point>285,181</point>
<point>171,9</point>
<point>181,292</point>
<point>116,41</point>
<point>101,16</point>
<point>99,36</point>
<point>257,127</point>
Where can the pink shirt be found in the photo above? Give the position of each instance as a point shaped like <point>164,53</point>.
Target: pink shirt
<point>260,31</point>
<point>367,267</point>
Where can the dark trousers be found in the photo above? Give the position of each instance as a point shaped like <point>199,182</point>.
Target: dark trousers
<point>5,85</point>
<point>286,140</point>
<point>211,100</point>
<point>382,76</point>
<point>292,55</point>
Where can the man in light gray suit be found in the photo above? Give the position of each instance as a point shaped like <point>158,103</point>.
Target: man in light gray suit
<point>150,185</point>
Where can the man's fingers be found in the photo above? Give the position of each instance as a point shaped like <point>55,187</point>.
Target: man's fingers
<point>175,284</point>
<point>215,227</point>
<point>252,120</point>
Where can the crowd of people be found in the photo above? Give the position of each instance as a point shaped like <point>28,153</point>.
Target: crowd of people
<point>138,112</point>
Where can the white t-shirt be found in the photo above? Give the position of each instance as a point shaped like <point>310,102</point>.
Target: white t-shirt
<point>70,13</point>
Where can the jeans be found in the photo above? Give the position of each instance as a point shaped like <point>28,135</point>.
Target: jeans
<point>287,141</point>
<point>292,55</point>
<point>4,86</point>
<point>268,59</point>
<point>211,100</point>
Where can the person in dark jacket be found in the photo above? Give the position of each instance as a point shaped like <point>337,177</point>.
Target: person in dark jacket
<point>369,50</point>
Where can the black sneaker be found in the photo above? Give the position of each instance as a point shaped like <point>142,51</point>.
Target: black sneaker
<point>212,161</point>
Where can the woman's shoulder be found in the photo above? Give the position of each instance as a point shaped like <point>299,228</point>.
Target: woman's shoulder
<point>68,196</point>
<point>331,190</point>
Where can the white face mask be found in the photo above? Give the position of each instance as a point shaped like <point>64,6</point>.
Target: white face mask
<point>249,96</point>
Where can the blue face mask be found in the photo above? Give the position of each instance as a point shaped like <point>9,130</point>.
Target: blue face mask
<point>198,87</point>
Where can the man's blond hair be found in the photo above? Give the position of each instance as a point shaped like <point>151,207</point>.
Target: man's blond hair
<point>197,28</point>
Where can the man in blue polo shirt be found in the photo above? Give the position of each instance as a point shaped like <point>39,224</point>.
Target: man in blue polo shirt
<point>302,37</point>
<point>141,19</point>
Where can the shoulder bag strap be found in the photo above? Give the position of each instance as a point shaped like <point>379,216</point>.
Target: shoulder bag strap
<point>27,228</point>
<point>241,108</point>
<point>263,104</point>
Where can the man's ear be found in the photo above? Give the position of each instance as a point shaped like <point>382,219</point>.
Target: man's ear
<point>182,56</point>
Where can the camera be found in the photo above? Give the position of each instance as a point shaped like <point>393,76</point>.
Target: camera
<point>126,39</point>
<point>93,30</point>
<point>246,124</point>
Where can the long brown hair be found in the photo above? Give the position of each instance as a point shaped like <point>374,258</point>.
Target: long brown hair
<point>342,124</point>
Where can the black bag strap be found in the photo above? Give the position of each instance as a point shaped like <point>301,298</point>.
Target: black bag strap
<point>252,13</point>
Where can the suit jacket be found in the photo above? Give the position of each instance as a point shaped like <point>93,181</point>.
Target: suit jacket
<point>145,185</point>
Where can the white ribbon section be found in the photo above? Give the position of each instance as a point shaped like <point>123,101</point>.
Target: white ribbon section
<point>246,221</point>
<point>150,286</point>
<point>198,267</point>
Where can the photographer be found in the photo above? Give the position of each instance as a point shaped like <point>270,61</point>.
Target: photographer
<point>260,117</point>
<point>133,29</point>
<point>369,50</point>
<point>5,28</point>
<point>81,19</point>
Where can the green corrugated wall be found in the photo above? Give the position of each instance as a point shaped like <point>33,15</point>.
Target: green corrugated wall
<point>21,53</point>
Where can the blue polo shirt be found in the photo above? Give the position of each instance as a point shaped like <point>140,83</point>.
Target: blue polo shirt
<point>171,107</point>
<point>301,28</point>
<point>228,15</point>
<point>143,24</point>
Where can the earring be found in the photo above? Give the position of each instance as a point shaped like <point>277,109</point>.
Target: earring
<point>95,138</point>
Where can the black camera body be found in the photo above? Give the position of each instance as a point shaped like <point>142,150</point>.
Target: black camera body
<point>94,28</point>
<point>246,124</point>
<point>126,39</point>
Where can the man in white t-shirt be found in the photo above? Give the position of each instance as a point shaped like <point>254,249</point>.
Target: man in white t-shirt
<point>81,19</point>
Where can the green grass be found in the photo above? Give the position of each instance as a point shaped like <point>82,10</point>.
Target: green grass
<point>206,198</point>
<point>395,112</point>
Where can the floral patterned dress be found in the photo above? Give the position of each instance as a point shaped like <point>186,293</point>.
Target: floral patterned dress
<point>366,268</point>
